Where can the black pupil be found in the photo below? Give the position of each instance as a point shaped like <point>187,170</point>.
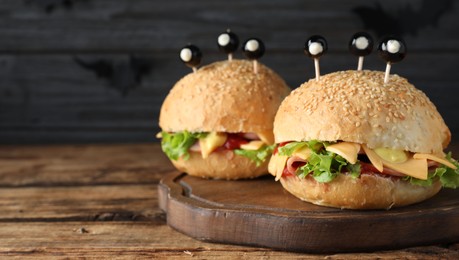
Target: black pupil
<point>358,42</point>
<point>311,44</point>
<point>196,56</point>
<point>256,53</point>
<point>392,50</point>
<point>232,44</point>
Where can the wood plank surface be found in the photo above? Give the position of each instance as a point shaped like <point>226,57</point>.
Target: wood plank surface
<point>80,165</point>
<point>46,215</point>
<point>98,202</point>
<point>125,240</point>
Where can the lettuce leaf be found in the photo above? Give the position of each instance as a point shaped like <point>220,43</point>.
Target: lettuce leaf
<point>257,156</point>
<point>324,166</point>
<point>449,178</point>
<point>354,170</point>
<point>176,145</point>
<point>289,148</point>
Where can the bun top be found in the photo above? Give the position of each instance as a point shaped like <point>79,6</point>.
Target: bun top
<point>225,97</point>
<point>356,106</point>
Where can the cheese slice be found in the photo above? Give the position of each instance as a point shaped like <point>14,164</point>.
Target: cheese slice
<point>159,135</point>
<point>347,150</point>
<point>374,158</point>
<point>413,167</point>
<point>267,137</point>
<point>276,165</point>
<point>253,145</point>
<point>209,143</point>
<point>304,153</point>
<point>434,158</point>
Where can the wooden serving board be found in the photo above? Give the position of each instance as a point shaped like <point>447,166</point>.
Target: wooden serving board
<point>260,212</point>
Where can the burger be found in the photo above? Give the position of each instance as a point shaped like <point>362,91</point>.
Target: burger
<point>218,122</point>
<point>349,140</point>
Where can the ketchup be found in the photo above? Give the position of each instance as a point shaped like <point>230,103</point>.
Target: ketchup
<point>234,141</point>
<point>283,143</point>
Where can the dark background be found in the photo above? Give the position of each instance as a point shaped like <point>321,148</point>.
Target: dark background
<point>75,71</point>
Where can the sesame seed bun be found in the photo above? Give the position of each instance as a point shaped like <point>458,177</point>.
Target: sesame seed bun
<point>356,106</point>
<point>224,97</point>
<point>369,191</point>
<point>221,165</point>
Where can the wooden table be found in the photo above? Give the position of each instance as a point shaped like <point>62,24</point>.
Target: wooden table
<point>59,201</point>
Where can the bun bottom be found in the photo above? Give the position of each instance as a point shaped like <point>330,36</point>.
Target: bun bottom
<point>369,191</point>
<point>221,165</point>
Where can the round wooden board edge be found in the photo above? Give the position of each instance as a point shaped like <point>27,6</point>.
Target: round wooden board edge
<point>300,234</point>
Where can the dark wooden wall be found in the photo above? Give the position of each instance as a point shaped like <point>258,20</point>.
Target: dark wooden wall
<point>98,70</point>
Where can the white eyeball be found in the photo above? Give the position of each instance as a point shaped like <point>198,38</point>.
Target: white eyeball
<point>186,55</point>
<point>223,39</point>
<point>361,43</point>
<point>393,46</point>
<point>315,48</point>
<point>252,45</point>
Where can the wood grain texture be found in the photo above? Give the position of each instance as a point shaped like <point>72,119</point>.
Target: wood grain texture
<point>46,215</point>
<point>94,203</point>
<point>47,97</point>
<point>259,208</point>
<point>80,165</point>
<point>141,240</point>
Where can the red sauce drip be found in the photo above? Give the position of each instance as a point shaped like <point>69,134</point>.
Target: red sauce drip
<point>234,141</point>
<point>283,143</point>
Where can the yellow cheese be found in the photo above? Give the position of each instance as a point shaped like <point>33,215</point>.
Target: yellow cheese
<point>374,158</point>
<point>276,165</point>
<point>434,158</point>
<point>253,145</point>
<point>413,167</point>
<point>303,153</point>
<point>209,143</point>
<point>347,150</point>
<point>267,137</point>
<point>159,135</point>
<point>392,155</point>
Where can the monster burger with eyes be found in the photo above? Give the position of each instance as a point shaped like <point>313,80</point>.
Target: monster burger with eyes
<point>217,122</point>
<point>353,139</point>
